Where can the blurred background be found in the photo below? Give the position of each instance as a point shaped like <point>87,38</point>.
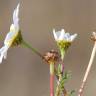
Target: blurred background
<point>23,73</point>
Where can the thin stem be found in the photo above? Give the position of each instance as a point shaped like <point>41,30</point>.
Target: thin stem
<point>31,48</point>
<point>87,70</point>
<point>62,51</point>
<point>51,79</point>
<point>57,90</point>
<point>62,59</point>
<point>64,91</point>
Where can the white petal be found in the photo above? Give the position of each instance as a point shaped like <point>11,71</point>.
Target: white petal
<point>66,36</point>
<point>3,53</point>
<point>15,16</point>
<point>73,37</point>
<point>58,34</point>
<point>1,49</point>
<point>62,33</point>
<point>55,35</point>
<point>14,28</point>
<point>1,58</point>
<point>9,37</point>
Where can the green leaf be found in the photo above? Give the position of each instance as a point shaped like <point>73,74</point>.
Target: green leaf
<point>65,78</point>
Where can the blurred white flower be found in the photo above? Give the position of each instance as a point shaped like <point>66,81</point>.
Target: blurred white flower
<point>62,36</point>
<point>93,36</point>
<point>12,35</point>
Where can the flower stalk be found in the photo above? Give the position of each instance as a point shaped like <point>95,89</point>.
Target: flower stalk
<point>51,57</point>
<point>51,79</point>
<point>57,90</point>
<point>62,59</point>
<point>31,48</point>
<point>87,70</point>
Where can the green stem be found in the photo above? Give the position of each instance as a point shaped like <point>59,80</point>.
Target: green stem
<point>31,48</point>
<point>62,51</point>
<point>57,90</point>
<point>52,68</point>
<point>60,90</point>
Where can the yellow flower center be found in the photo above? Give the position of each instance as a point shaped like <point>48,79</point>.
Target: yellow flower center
<point>16,38</point>
<point>63,44</point>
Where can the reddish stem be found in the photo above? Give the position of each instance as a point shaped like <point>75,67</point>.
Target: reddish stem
<point>52,79</point>
<point>51,85</point>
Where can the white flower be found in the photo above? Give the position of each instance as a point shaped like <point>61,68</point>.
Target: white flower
<point>11,36</point>
<point>93,36</point>
<point>62,36</point>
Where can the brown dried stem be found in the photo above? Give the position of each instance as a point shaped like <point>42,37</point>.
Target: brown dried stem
<point>87,70</point>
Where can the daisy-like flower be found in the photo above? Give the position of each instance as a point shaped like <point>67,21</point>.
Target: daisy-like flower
<point>61,35</point>
<point>63,39</point>
<point>13,37</point>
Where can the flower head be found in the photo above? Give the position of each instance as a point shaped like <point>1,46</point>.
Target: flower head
<point>63,40</point>
<point>13,35</point>
<point>51,56</point>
